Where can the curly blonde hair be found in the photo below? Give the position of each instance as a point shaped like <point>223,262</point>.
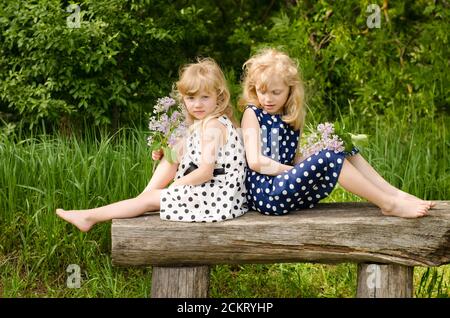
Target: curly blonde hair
<point>205,75</point>
<point>260,69</point>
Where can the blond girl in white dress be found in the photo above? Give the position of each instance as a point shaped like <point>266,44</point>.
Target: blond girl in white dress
<point>208,181</point>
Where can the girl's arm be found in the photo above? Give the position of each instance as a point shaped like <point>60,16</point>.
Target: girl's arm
<point>212,137</point>
<point>252,143</point>
<point>163,175</point>
<point>165,171</point>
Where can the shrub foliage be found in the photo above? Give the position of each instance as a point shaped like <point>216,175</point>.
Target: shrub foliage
<point>109,69</point>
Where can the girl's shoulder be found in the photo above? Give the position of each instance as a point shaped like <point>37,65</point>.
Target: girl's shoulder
<point>263,116</point>
<point>259,111</point>
<point>253,107</point>
<point>217,122</point>
<point>199,128</point>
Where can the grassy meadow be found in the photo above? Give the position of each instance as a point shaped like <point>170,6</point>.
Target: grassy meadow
<point>43,172</point>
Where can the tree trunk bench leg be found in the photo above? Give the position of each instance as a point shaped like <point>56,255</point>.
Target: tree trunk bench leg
<point>180,282</point>
<point>385,281</point>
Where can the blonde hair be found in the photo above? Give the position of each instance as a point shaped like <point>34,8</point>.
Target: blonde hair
<point>205,75</point>
<point>260,69</point>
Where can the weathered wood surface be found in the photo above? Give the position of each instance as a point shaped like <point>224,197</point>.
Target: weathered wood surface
<point>329,233</point>
<point>180,282</point>
<point>384,281</point>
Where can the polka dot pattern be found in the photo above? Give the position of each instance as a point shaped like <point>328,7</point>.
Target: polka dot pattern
<point>301,187</point>
<point>221,198</point>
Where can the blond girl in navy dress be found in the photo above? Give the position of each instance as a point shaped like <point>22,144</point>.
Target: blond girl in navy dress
<point>208,181</point>
<point>278,180</point>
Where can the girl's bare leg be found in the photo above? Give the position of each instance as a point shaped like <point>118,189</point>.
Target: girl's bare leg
<point>351,179</point>
<point>373,176</point>
<point>163,175</point>
<point>85,219</point>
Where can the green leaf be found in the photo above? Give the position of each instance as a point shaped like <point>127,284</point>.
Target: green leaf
<point>174,155</point>
<point>156,146</point>
<point>360,140</point>
<point>348,144</point>
<point>168,154</point>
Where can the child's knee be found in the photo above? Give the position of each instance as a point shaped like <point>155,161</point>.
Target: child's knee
<point>149,199</point>
<point>146,196</point>
<point>142,195</point>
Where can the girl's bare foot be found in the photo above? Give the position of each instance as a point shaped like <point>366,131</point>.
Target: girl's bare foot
<point>406,208</point>
<point>77,218</point>
<point>405,195</point>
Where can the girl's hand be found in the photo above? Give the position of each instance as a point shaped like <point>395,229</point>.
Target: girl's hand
<point>157,154</point>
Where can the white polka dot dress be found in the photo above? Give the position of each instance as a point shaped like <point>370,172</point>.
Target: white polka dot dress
<point>221,198</point>
<point>298,188</point>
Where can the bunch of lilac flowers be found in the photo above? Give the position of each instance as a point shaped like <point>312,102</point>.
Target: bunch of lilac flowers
<point>166,126</point>
<point>325,137</point>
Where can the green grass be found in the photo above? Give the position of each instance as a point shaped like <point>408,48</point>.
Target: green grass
<point>40,173</point>
<point>284,280</point>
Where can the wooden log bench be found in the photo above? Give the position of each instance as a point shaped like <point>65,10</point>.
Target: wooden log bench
<point>385,248</point>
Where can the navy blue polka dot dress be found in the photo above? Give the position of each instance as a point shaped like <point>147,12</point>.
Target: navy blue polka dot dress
<point>298,188</point>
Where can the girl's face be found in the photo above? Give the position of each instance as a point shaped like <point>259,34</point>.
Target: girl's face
<point>201,104</point>
<point>273,97</point>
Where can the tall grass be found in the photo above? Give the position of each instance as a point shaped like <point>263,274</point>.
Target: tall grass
<point>43,172</point>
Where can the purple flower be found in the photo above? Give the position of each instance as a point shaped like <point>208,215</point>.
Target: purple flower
<point>325,129</point>
<point>323,138</point>
<point>334,144</point>
<point>163,104</point>
<point>153,124</point>
<point>175,116</point>
<point>166,124</point>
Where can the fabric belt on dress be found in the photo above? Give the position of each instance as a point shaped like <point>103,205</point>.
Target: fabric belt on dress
<point>193,166</point>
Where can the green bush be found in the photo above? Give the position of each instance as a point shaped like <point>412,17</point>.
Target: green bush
<point>111,68</point>
<point>125,54</point>
<point>111,64</point>
<point>351,68</point>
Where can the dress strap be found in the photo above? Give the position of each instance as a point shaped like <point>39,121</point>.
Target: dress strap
<point>224,120</point>
<point>258,112</point>
<point>255,109</point>
<point>227,122</point>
